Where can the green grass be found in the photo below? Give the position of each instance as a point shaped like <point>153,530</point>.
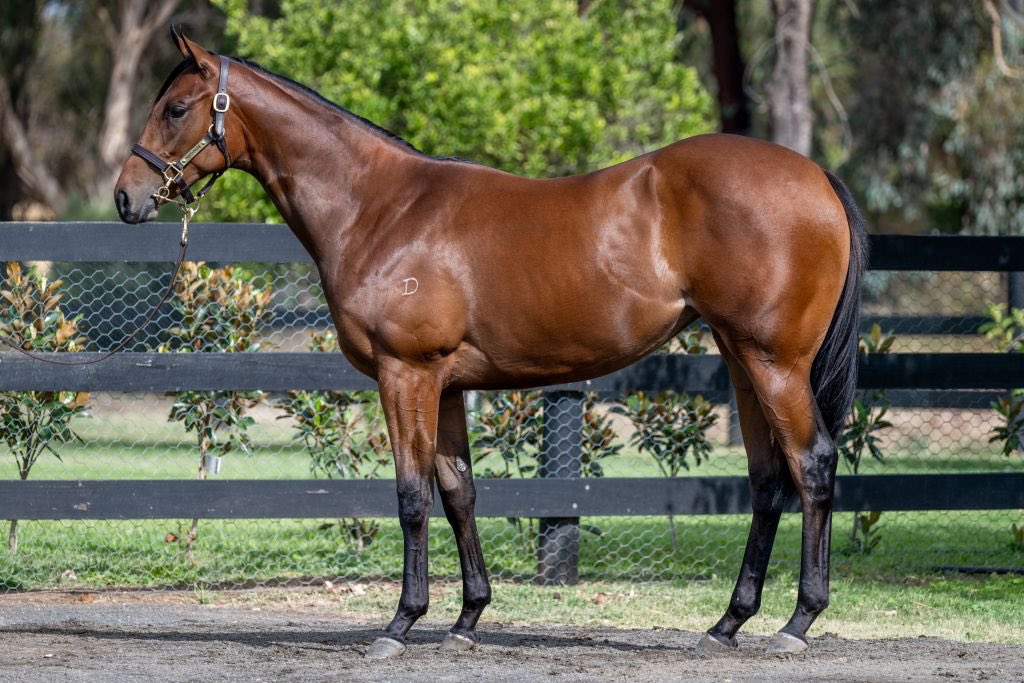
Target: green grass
<point>633,574</point>
<point>965,609</point>
<point>244,552</point>
<point>275,456</point>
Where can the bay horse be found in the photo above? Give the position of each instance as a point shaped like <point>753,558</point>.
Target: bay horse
<point>443,276</point>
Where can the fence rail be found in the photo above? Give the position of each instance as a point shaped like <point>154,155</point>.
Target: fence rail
<point>918,379</point>
<point>276,371</point>
<point>541,497</point>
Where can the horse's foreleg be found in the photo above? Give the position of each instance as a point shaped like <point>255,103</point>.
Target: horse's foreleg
<point>770,489</point>
<point>454,473</point>
<point>410,399</point>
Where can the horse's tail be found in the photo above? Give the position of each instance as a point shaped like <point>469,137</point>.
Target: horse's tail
<point>834,372</point>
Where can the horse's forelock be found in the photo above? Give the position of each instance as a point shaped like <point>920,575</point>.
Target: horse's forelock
<point>183,66</point>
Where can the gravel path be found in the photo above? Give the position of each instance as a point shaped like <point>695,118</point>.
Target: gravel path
<point>139,640</point>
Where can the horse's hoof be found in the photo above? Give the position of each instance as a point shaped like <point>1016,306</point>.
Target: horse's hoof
<point>783,643</point>
<point>711,645</point>
<point>456,642</point>
<point>385,648</point>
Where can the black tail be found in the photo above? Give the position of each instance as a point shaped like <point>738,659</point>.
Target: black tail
<point>834,372</point>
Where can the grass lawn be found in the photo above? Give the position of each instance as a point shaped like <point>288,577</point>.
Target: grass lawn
<point>966,609</point>
<point>634,573</point>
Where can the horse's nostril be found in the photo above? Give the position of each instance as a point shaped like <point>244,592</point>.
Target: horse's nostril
<point>122,201</point>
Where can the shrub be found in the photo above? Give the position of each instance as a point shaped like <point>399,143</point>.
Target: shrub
<point>36,422</point>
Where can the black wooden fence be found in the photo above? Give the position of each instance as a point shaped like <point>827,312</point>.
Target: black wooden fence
<point>560,497</point>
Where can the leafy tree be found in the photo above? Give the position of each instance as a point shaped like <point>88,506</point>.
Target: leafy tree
<point>859,434</point>
<point>36,422</point>
<point>530,87</point>
<point>936,134</point>
<point>221,310</point>
<point>344,434</point>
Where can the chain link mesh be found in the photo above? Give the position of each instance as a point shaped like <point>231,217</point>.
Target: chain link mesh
<point>514,434</point>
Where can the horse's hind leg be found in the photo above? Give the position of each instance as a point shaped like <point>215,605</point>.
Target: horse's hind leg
<point>454,472</point>
<point>783,388</point>
<point>770,488</point>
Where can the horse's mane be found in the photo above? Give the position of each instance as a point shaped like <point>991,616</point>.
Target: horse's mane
<point>189,63</point>
<point>306,90</point>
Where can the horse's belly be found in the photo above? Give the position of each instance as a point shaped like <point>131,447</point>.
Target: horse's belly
<point>587,339</point>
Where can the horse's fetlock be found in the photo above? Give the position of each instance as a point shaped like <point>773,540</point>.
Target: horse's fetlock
<point>416,607</point>
<point>814,602</point>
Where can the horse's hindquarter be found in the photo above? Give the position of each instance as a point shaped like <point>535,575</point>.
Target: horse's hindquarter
<point>764,240</point>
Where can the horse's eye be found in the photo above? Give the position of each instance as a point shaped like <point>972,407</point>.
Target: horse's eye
<point>177,112</point>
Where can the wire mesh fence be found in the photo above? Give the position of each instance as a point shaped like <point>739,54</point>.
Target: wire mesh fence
<point>522,434</point>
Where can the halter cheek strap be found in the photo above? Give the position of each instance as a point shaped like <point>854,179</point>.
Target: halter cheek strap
<point>174,171</point>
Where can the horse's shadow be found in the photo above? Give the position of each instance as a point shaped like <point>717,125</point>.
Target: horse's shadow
<point>328,640</point>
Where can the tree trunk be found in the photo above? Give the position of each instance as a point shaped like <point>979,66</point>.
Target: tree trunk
<point>727,63</point>
<point>37,180</point>
<point>127,40</point>
<point>789,93</point>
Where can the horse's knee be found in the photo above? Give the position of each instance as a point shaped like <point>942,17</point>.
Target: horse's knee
<point>413,506</point>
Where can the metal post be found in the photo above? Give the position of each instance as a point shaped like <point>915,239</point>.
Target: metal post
<point>558,544</point>
<point>1015,289</point>
<point>735,434</point>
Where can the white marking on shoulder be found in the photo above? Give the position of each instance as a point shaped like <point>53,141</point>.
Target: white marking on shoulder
<point>412,285</point>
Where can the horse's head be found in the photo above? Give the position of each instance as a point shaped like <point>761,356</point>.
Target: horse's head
<point>190,110</point>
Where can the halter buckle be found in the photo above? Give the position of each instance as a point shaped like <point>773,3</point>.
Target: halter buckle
<point>172,173</point>
<point>221,102</point>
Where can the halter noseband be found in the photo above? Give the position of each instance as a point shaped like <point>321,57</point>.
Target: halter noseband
<point>174,171</point>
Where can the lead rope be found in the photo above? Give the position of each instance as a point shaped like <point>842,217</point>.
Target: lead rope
<point>187,212</point>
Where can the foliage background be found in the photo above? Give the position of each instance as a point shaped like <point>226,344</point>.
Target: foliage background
<point>529,87</point>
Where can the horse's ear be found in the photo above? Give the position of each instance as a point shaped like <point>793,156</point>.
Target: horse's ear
<point>204,60</point>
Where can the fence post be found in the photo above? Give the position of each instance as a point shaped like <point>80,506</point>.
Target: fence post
<point>558,542</point>
<point>1015,292</point>
<point>1015,289</point>
<point>734,436</point>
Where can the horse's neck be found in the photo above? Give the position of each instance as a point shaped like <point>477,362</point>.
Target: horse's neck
<point>324,170</point>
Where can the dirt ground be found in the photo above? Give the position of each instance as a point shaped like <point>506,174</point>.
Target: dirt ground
<point>126,637</point>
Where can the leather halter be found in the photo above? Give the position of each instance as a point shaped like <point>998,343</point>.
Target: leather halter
<point>174,171</point>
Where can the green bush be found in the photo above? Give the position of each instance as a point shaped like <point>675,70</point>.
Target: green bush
<point>36,422</point>
<point>221,310</point>
<point>525,86</point>
<point>345,435</point>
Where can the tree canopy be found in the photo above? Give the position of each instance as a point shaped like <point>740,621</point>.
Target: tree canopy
<point>530,87</point>
<point>913,104</point>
